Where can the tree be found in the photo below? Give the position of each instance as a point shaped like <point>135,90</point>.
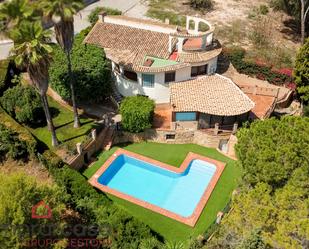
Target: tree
<point>23,103</point>
<point>32,51</point>
<point>90,70</point>
<point>263,218</point>
<point>14,11</point>
<point>303,15</point>
<point>301,71</point>
<point>136,113</point>
<point>297,8</point>
<point>270,150</point>
<point>62,13</point>
<point>18,194</point>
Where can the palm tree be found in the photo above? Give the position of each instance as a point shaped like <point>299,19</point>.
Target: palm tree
<point>13,11</point>
<point>62,13</point>
<point>32,51</point>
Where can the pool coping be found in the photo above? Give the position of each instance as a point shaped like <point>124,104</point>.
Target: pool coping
<point>191,220</point>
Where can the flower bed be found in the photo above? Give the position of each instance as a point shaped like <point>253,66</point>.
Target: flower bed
<point>259,69</point>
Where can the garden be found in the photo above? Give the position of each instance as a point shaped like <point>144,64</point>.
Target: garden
<point>174,154</point>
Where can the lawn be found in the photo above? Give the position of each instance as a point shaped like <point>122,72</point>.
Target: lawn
<point>174,154</point>
<point>63,121</point>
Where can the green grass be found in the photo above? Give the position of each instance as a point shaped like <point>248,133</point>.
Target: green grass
<point>174,154</point>
<point>63,121</point>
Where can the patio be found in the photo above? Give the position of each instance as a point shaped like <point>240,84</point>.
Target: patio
<point>162,117</point>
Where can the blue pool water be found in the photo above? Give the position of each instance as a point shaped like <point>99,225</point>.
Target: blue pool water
<point>178,193</point>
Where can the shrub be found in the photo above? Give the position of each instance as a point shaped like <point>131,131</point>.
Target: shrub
<point>94,15</point>
<point>202,4</point>
<point>18,193</point>
<point>22,134</point>
<point>3,73</point>
<point>173,17</point>
<point>263,9</point>
<point>137,113</point>
<point>23,103</point>
<point>90,71</point>
<point>306,110</point>
<point>301,71</point>
<point>10,145</point>
<point>237,57</point>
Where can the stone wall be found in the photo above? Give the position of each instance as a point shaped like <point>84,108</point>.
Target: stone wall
<point>173,137</point>
<point>86,151</point>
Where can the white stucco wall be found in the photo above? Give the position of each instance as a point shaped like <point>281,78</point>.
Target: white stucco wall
<point>160,92</point>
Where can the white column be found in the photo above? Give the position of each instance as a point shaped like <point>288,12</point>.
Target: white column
<point>196,23</point>
<point>170,38</point>
<point>179,44</point>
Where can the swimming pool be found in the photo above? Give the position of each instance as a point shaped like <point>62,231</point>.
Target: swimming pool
<point>174,192</point>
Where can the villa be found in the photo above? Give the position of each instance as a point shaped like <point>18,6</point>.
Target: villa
<point>174,66</point>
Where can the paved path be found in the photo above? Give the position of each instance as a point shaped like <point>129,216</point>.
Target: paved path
<point>134,8</point>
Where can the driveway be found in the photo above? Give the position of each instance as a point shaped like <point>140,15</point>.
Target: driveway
<point>133,8</point>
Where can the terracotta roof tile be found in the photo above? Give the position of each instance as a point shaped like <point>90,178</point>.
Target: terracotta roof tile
<point>129,45</point>
<point>212,94</point>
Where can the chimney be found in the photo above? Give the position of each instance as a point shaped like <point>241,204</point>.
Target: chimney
<point>102,15</point>
<point>167,21</point>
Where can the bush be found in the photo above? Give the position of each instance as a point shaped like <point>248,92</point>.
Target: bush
<point>23,103</point>
<point>263,9</point>
<point>91,72</point>
<point>4,65</point>
<point>10,145</point>
<point>94,15</point>
<point>236,56</point>
<point>202,4</point>
<point>20,133</point>
<point>161,15</point>
<point>18,194</point>
<point>301,72</point>
<point>137,113</point>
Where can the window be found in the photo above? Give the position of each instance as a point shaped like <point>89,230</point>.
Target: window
<point>148,80</point>
<point>185,116</point>
<point>170,136</point>
<point>130,75</point>
<point>198,70</point>
<point>170,77</point>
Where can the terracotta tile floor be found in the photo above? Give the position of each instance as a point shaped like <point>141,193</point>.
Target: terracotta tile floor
<point>162,117</point>
<point>193,43</point>
<point>262,104</point>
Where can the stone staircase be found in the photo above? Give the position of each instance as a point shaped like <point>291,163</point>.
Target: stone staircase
<point>116,95</point>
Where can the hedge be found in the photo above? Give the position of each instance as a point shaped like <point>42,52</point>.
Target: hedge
<point>23,133</point>
<point>236,55</point>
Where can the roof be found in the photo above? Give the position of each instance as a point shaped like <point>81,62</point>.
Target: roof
<point>128,44</point>
<point>213,94</point>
